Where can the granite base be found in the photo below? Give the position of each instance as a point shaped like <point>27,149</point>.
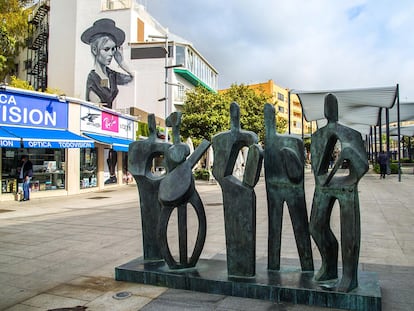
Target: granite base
<point>288,285</point>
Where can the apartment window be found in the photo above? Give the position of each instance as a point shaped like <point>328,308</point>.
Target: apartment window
<point>180,55</point>
<point>115,4</point>
<point>281,97</point>
<point>180,92</point>
<point>280,109</point>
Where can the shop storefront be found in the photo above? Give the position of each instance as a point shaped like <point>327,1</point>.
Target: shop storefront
<point>37,126</point>
<point>74,146</point>
<point>112,134</point>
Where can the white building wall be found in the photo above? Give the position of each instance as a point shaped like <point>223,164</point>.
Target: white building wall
<point>62,46</point>
<point>70,60</point>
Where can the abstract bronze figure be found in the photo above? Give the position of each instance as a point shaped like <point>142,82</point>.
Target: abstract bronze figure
<point>176,191</point>
<point>140,156</point>
<point>239,198</point>
<point>284,173</point>
<point>330,187</point>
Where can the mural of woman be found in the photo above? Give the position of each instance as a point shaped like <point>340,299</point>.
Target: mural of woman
<point>105,40</point>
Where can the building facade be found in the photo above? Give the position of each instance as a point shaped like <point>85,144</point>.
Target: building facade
<point>112,64</point>
<point>74,146</point>
<point>292,111</point>
<point>161,65</point>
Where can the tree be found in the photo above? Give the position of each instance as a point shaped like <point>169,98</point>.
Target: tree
<point>13,26</point>
<point>206,114</point>
<point>21,84</point>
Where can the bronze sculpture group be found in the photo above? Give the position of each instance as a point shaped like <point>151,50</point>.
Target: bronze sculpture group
<point>284,175</point>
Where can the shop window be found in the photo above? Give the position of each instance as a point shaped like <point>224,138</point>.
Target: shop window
<point>48,169</point>
<point>88,168</point>
<point>126,175</point>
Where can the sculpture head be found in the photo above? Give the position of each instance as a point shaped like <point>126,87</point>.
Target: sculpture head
<point>331,108</point>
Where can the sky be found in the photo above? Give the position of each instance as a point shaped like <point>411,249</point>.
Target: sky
<point>299,44</point>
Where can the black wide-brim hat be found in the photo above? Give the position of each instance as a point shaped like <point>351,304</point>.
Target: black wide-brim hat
<point>104,26</point>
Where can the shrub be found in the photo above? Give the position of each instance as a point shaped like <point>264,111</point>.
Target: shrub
<point>201,174</point>
<point>393,167</point>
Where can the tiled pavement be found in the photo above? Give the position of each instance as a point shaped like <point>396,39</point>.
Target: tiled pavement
<point>61,252</point>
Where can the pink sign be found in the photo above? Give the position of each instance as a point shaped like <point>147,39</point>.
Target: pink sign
<point>110,122</point>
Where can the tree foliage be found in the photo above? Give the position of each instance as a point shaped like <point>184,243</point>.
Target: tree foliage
<point>13,28</point>
<point>21,84</point>
<point>206,114</point>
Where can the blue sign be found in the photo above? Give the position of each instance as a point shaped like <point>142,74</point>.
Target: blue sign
<point>9,143</point>
<point>57,144</point>
<point>28,110</point>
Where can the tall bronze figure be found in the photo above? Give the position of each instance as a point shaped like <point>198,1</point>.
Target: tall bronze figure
<point>239,198</point>
<point>140,157</point>
<point>330,187</point>
<point>177,189</point>
<point>284,172</point>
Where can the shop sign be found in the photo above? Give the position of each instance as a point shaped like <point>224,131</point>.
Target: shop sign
<point>35,143</point>
<point>106,123</point>
<point>4,143</point>
<point>29,110</point>
<point>110,122</point>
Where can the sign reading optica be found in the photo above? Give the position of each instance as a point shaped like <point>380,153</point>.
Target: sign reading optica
<point>27,110</point>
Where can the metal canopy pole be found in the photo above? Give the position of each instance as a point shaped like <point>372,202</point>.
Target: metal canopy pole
<point>399,132</point>
<point>289,112</point>
<point>387,130</point>
<point>380,130</point>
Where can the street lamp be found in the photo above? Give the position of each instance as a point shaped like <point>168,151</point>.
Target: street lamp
<point>166,83</point>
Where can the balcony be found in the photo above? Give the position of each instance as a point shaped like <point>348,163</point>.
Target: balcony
<point>108,5</point>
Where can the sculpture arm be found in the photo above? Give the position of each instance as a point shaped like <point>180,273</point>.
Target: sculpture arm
<point>357,159</point>
<point>292,164</point>
<point>253,165</point>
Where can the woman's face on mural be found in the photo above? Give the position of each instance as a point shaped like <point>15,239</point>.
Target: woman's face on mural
<point>106,52</point>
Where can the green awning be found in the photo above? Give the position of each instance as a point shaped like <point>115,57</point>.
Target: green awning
<point>190,77</point>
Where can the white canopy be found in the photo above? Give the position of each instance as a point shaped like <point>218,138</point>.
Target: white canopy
<point>357,108</point>
<point>406,113</point>
<point>407,130</point>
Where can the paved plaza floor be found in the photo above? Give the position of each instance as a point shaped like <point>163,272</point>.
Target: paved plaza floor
<point>61,252</point>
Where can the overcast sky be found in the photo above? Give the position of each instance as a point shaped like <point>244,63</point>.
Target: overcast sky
<point>300,44</point>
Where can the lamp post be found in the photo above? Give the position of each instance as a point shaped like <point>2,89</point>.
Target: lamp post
<point>166,83</point>
<point>165,99</point>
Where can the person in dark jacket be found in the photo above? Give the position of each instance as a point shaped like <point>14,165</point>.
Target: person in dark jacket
<point>383,161</point>
<point>26,172</point>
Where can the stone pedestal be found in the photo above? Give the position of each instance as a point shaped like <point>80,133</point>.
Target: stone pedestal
<point>288,285</point>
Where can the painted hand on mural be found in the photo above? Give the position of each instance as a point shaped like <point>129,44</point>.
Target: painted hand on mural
<point>105,40</point>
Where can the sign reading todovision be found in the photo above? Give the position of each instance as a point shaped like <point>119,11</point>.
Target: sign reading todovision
<point>28,110</point>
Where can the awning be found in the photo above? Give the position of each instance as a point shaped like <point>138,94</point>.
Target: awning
<point>406,113</point>
<point>117,143</point>
<point>8,140</point>
<point>190,77</point>
<point>407,130</point>
<point>47,138</point>
<point>357,108</point>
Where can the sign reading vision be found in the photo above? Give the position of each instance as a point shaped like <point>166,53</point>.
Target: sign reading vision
<point>27,110</point>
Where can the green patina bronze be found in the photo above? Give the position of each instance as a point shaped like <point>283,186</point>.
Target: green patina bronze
<point>284,173</point>
<point>176,191</point>
<point>140,157</point>
<point>331,186</point>
<point>239,198</point>
<point>284,177</point>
